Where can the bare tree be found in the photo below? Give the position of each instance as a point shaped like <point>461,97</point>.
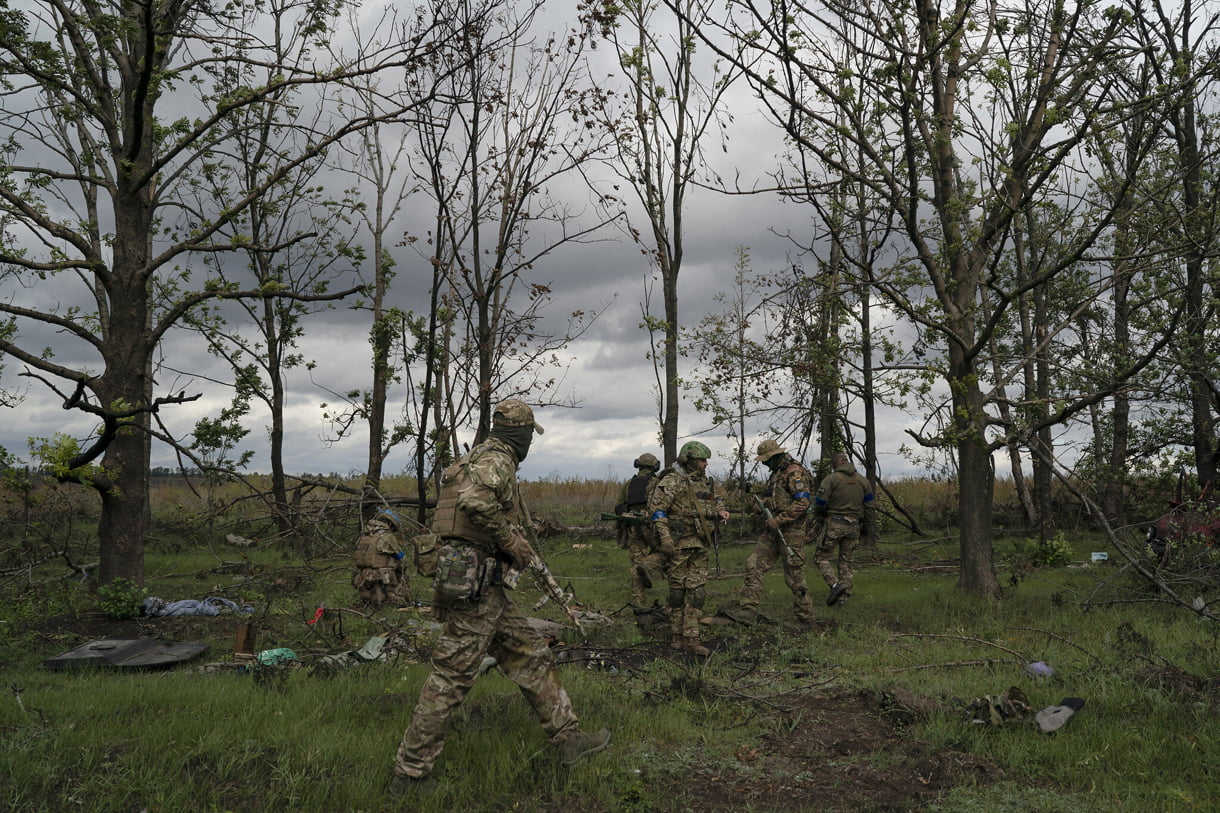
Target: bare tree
<point>296,237</point>
<point>969,114</point>
<point>512,130</point>
<point>378,161</point>
<point>674,101</point>
<point>108,109</point>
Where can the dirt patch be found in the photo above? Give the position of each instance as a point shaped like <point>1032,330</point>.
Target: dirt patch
<point>840,751</point>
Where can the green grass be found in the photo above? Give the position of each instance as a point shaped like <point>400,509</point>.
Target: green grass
<point>322,740</point>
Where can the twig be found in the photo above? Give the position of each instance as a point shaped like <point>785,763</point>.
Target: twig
<point>980,662</point>
<point>1060,638</point>
<point>1014,653</point>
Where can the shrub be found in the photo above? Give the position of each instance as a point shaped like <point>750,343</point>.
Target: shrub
<point>1054,552</point>
<point>122,599</point>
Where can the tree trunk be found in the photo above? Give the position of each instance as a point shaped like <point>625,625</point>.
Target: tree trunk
<point>120,528</point>
<point>669,425</point>
<point>976,478</point>
<point>124,488</point>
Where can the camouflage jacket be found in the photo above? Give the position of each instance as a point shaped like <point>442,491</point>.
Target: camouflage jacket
<point>845,492</point>
<point>680,498</point>
<point>788,494</point>
<point>479,500</point>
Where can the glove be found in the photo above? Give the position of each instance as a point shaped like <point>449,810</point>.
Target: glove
<point>518,549</point>
<point>773,524</point>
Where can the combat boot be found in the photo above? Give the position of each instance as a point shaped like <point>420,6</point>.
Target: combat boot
<point>691,644</point>
<point>838,592</point>
<point>581,744</point>
<point>414,787</point>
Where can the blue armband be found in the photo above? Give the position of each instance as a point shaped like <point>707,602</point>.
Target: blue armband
<point>869,497</point>
<point>400,556</point>
<point>801,495</point>
<point>658,514</point>
<point>820,502</point>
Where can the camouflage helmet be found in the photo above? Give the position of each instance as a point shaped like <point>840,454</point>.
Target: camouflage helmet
<point>647,461</point>
<point>515,413</point>
<point>767,450</point>
<point>693,450</point>
<point>388,516</point>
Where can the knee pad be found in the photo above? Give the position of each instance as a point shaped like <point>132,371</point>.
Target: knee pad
<point>696,597</point>
<point>677,597</point>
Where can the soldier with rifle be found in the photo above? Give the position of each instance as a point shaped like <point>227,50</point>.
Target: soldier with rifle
<point>479,518</point>
<point>784,505</point>
<point>635,531</point>
<point>685,511</point>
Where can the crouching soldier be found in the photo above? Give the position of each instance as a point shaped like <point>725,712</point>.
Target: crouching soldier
<point>378,557</point>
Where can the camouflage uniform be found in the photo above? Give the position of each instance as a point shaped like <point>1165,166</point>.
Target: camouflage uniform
<point>844,508</point>
<point>788,499</point>
<point>378,556</point>
<point>484,514</point>
<point>684,507</point>
<point>638,537</point>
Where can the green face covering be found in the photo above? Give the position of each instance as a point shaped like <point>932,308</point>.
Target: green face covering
<point>518,437</point>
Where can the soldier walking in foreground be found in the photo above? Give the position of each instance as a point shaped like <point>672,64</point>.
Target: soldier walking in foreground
<point>844,509</point>
<point>685,510</point>
<point>785,504</point>
<point>479,516</point>
<point>635,532</point>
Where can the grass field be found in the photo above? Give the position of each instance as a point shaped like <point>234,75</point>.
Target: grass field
<point>866,712</point>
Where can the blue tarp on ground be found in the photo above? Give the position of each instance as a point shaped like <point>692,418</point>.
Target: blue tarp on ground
<point>212,605</point>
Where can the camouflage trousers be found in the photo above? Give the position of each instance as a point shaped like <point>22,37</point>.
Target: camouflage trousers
<point>377,585</point>
<point>687,576</point>
<point>839,534</point>
<point>642,553</point>
<point>767,551</point>
<point>492,626</point>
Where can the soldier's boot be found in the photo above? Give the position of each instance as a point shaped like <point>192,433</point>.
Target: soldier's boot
<point>838,592</point>
<point>690,633</point>
<point>676,622</point>
<point>581,744</point>
<point>803,609</point>
<point>692,645</point>
<point>414,787</point>
<point>736,611</point>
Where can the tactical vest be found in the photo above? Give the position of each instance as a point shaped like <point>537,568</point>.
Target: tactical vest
<point>637,491</point>
<point>689,506</point>
<point>450,521</point>
<point>370,553</point>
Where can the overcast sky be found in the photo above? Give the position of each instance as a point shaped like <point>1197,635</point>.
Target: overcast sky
<point>610,378</point>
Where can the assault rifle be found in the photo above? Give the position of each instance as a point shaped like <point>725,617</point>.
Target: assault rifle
<point>549,585</point>
<point>711,537</point>
<point>542,574</point>
<point>766,512</point>
<point>629,519</point>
